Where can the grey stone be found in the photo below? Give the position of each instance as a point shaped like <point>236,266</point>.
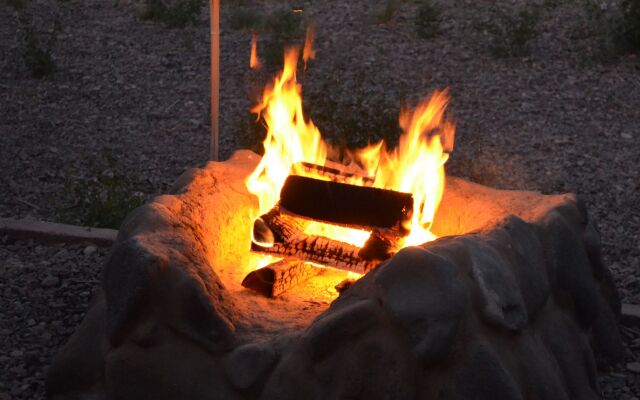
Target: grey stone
<point>419,289</point>
<point>89,250</point>
<point>332,329</point>
<point>80,363</point>
<point>50,281</point>
<point>634,367</point>
<point>501,301</point>
<point>519,243</point>
<point>246,364</point>
<point>568,263</point>
<point>518,308</point>
<point>572,352</point>
<point>484,377</point>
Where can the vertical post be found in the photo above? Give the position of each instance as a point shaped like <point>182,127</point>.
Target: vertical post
<point>215,75</point>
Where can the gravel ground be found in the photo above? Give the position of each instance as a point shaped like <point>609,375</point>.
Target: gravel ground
<point>132,96</point>
<point>44,294</point>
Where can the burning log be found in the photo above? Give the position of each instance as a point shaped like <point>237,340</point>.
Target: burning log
<point>385,213</point>
<point>273,227</point>
<point>334,172</point>
<point>378,247</point>
<point>348,205</point>
<point>321,250</point>
<point>282,235</point>
<point>280,276</point>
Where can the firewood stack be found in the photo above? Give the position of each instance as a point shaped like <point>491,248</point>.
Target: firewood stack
<point>280,232</point>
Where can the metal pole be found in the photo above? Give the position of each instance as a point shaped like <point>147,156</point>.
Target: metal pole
<point>215,75</point>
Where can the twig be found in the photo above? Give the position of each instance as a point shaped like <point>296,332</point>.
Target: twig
<point>23,201</point>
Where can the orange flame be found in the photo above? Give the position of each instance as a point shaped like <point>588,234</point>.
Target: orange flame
<point>416,166</point>
<point>254,60</point>
<point>308,52</point>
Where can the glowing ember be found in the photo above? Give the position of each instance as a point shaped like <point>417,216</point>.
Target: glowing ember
<point>416,166</point>
<point>254,60</point>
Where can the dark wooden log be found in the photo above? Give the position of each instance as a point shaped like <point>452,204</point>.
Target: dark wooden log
<point>333,172</point>
<point>278,277</point>
<point>348,205</point>
<point>344,285</point>
<point>282,235</point>
<point>280,228</point>
<point>378,247</point>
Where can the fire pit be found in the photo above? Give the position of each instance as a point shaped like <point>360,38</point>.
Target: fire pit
<point>456,292</point>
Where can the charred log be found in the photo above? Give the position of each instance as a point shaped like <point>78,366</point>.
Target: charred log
<point>349,205</point>
<point>344,285</point>
<point>378,247</point>
<point>330,253</point>
<point>277,278</point>
<point>283,228</point>
<point>281,235</point>
<point>336,174</point>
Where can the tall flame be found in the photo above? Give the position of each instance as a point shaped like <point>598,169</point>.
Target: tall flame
<point>308,52</point>
<point>416,166</point>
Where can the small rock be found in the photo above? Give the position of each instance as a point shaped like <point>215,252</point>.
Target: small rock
<point>634,367</point>
<point>626,135</point>
<point>50,281</point>
<point>45,338</point>
<point>16,353</point>
<point>246,363</point>
<point>89,250</point>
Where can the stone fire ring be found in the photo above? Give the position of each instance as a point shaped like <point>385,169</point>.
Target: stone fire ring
<point>513,302</point>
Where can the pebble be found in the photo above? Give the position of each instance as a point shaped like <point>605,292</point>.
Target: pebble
<point>50,281</point>
<point>89,250</point>
<point>634,367</point>
<point>16,353</point>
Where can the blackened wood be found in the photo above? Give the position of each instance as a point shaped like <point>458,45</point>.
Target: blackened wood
<point>262,234</point>
<point>344,285</point>
<point>278,277</point>
<point>344,204</point>
<point>321,250</point>
<point>283,228</point>
<point>336,174</point>
<point>378,247</point>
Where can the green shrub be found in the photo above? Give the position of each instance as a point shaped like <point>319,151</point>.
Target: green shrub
<point>596,29</point>
<point>612,33</point>
<point>627,32</point>
<point>173,13</point>
<point>17,5</point>
<point>427,20</point>
<point>244,18</point>
<point>387,13</point>
<point>283,27</point>
<point>38,58</point>
<point>511,33</point>
<point>351,125</point>
<point>37,49</point>
<point>284,23</point>
<point>103,201</point>
<point>251,133</point>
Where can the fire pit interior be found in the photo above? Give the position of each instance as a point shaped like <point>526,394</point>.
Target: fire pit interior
<point>455,291</point>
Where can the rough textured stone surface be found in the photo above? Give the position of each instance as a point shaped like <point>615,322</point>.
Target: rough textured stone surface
<point>513,303</point>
